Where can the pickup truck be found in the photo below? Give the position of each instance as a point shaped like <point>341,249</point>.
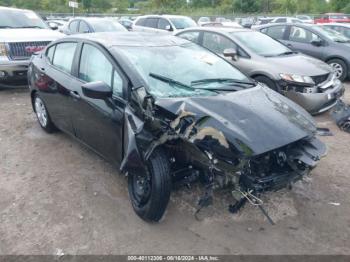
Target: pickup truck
<point>22,33</point>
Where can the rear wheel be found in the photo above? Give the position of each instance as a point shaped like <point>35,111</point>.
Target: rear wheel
<point>42,114</point>
<point>150,192</point>
<point>267,81</point>
<point>339,67</point>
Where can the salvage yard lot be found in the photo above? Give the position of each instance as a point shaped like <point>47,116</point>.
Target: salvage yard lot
<point>58,197</point>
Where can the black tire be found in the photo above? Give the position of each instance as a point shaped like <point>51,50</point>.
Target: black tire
<point>47,125</point>
<point>338,64</point>
<point>152,205</point>
<point>267,81</point>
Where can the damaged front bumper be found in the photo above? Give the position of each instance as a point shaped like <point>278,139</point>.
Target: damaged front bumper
<point>315,99</point>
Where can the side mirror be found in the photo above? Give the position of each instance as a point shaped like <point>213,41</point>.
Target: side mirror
<point>317,42</point>
<point>53,26</point>
<point>231,53</point>
<point>168,28</point>
<point>97,90</point>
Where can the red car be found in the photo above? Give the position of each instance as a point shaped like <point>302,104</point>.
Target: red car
<point>332,18</point>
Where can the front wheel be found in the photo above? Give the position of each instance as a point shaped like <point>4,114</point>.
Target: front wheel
<point>150,192</point>
<point>339,67</point>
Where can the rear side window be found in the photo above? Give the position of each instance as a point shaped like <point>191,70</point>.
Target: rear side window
<point>64,56</point>
<point>152,22</point>
<point>50,53</point>
<point>94,66</point>
<point>73,26</point>
<point>276,32</point>
<point>190,36</point>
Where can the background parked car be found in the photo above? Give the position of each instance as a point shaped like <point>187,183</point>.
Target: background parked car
<point>22,33</point>
<point>162,23</point>
<point>332,18</point>
<point>127,23</point>
<point>284,19</point>
<point>85,25</point>
<point>56,24</point>
<point>203,20</point>
<point>342,28</point>
<point>307,81</point>
<point>313,40</point>
<point>305,18</point>
<point>222,24</point>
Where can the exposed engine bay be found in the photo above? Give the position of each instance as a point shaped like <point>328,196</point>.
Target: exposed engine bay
<point>222,150</point>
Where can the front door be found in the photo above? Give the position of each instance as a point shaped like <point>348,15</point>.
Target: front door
<point>99,123</point>
<point>301,39</point>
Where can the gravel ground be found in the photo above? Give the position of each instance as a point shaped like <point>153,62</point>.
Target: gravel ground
<point>57,197</point>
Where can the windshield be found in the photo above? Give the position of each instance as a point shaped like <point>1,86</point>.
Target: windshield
<point>20,19</point>
<point>332,34</point>
<point>338,17</point>
<point>204,19</point>
<point>261,44</point>
<point>104,25</point>
<point>182,22</point>
<point>184,64</point>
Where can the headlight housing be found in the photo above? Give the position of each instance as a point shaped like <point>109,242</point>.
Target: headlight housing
<point>297,79</point>
<point>3,52</point>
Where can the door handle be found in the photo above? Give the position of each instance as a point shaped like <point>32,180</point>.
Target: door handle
<point>289,45</point>
<point>74,94</point>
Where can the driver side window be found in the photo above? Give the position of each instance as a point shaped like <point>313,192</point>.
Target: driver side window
<point>217,43</point>
<point>94,66</point>
<point>301,35</point>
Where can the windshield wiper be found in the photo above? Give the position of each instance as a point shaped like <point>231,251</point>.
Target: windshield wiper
<point>221,80</point>
<point>6,26</point>
<point>171,81</point>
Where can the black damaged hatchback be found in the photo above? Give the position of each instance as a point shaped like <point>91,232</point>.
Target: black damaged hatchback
<point>164,110</point>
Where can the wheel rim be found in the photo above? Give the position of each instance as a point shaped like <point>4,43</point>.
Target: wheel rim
<point>141,189</point>
<point>338,69</point>
<point>40,111</point>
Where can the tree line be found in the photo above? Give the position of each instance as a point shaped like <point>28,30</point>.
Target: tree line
<point>200,7</point>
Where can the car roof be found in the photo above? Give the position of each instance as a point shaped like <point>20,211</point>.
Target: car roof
<point>164,16</point>
<point>110,39</point>
<point>217,29</point>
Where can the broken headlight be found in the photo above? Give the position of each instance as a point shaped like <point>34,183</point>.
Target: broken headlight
<point>297,79</point>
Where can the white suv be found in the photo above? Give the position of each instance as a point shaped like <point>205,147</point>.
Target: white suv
<point>162,23</point>
<point>22,33</point>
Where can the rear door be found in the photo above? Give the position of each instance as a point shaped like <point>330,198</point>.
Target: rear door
<point>99,123</point>
<point>300,39</point>
<point>57,85</point>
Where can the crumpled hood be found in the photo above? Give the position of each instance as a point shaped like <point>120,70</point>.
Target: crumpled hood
<point>300,64</point>
<point>28,35</point>
<point>254,121</point>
